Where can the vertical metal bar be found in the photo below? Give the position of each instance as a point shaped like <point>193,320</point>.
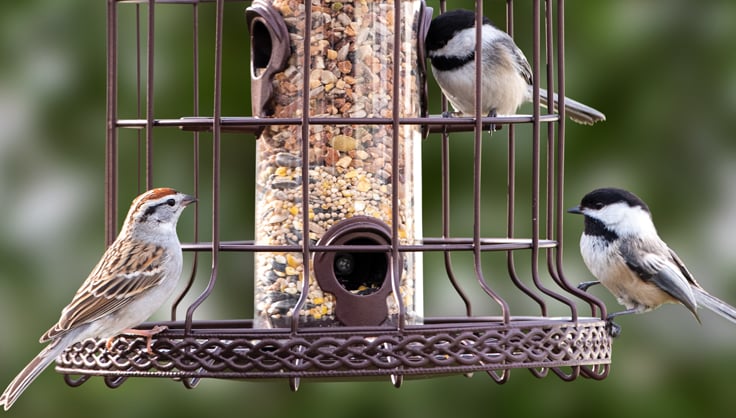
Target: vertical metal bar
<point>536,151</point>
<point>396,379</point>
<point>535,133</point>
<point>306,256</point>
<point>445,157</point>
<point>550,172</point>
<point>149,94</point>
<point>478,132</point>
<point>446,221</point>
<point>560,162</point>
<point>511,174</point>
<point>477,161</point>
<point>500,376</point>
<point>395,130</point>
<point>559,177</point>
<point>549,178</point>
<point>138,99</point>
<point>195,155</point>
<point>216,131</point>
<point>111,134</point>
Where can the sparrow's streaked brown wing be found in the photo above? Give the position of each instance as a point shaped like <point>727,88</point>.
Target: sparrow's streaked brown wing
<point>133,269</point>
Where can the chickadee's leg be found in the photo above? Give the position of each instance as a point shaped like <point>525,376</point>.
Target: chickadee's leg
<point>492,127</point>
<point>614,328</point>
<point>585,285</point>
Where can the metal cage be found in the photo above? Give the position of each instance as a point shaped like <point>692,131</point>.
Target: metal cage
<point>572,344</point>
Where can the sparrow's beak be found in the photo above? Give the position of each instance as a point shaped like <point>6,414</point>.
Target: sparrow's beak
<point>188,200</point>
<point>576,210</point>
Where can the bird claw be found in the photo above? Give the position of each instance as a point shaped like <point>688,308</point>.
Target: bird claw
<point>147,334</point>
<point>614,329</point>
<point>108,344</point>
<point>585,285</point>
<point>493,127</point>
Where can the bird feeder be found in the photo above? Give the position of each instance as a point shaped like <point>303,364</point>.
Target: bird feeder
<point>340,121</point>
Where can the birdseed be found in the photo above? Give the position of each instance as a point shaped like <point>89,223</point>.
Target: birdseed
<point>350,166</point>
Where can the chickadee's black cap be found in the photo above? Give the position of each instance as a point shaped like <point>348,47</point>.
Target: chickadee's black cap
<point>609,195</point>
<point>444,27</point>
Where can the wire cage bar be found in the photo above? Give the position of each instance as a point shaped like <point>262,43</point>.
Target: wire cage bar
<point>572,343</point>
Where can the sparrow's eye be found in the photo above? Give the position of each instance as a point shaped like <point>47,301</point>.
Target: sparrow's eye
<point>171,202</point>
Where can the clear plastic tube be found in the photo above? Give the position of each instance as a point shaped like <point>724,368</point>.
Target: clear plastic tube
<point>350,166</point>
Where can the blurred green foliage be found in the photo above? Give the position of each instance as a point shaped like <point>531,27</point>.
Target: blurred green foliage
<point>663,71</point>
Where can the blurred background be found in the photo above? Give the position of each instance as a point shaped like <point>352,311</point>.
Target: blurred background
<point>663,71</point>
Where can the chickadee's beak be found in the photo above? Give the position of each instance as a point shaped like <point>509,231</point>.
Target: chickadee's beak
<point>576,210</point>
<point>188,200</point>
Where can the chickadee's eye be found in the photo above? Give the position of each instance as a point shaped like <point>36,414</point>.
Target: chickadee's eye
<point>598,205</point>
<point>171,202</point>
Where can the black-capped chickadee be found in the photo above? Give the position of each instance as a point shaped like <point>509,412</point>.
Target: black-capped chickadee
<point>507,76</point>
<point>621,248</point>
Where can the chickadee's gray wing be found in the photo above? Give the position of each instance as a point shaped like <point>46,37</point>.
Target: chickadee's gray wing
<point>521,62</point>
<point>503,47</point>
<point>654,263</point>
<point>683,269</point>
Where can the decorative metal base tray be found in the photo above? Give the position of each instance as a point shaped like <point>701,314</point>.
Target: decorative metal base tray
<point>233,349</point>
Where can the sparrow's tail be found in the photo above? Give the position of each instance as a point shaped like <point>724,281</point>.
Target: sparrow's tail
<point>714,304</point>
<point>574,110</point>
<point>30,373</point>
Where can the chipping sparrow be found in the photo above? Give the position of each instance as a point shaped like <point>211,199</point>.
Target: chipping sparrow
<point>135,276</point>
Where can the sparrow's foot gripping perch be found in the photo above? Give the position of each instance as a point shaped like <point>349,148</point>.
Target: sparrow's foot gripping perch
<point>148,334</point>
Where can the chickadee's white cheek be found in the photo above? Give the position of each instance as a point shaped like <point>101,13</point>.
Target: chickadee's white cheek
<point>460,44</point>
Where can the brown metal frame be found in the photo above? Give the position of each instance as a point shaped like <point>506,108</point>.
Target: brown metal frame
<point>191,349</point>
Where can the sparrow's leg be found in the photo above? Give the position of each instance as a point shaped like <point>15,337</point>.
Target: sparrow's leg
<point>141,333</point>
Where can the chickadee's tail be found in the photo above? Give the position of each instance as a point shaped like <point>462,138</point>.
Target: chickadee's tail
<point>714,304</point>
<point>574,110</point>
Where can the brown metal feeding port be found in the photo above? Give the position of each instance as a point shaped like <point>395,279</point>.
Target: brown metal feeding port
<point>347,301</point>
<point>359,280</point>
